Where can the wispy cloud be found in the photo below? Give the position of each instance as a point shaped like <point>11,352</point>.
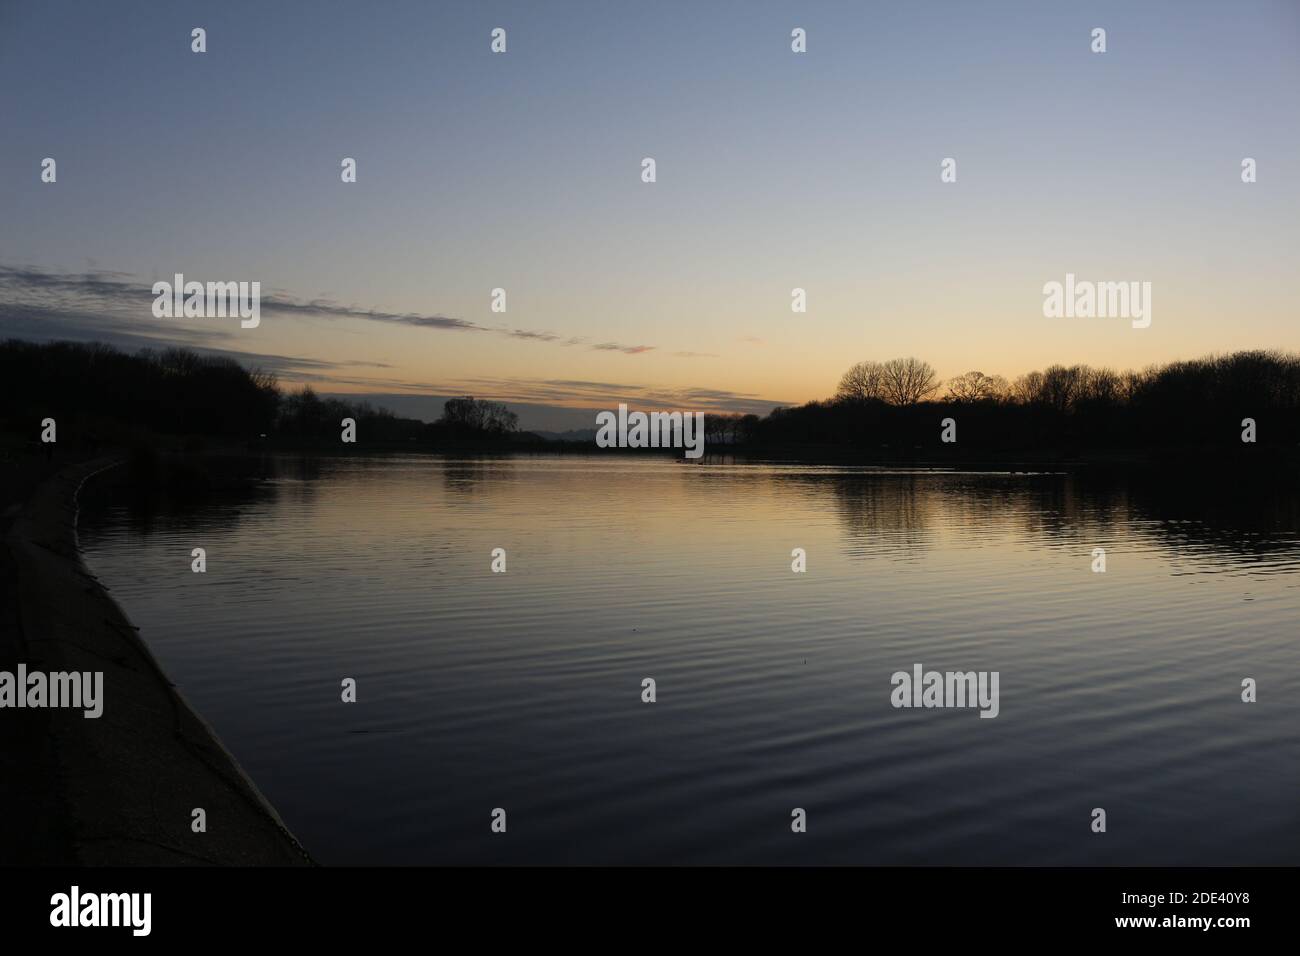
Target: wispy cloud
<point>625,349</point>
<point>119,303</point>
<point>38,324</point>
<point>115,308</point>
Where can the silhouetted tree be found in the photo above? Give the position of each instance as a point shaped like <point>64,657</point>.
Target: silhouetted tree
<point>906,381</point>
<point>863,382</point>
<point>976,387</point>
<point>175,391</point>
<point>467,417</point>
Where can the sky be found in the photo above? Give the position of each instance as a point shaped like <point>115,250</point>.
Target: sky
<point>775,170</point>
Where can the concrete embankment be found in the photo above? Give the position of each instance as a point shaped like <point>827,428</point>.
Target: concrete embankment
<point>119,789</point>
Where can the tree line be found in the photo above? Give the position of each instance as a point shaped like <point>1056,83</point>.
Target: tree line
<point>896,404</point>
<point>97,390</point>
<point>1182,403</point>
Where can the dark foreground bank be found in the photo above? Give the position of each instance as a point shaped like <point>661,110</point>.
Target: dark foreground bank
<point>123,788</point>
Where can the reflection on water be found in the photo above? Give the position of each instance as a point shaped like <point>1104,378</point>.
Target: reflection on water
<point>523,690</point>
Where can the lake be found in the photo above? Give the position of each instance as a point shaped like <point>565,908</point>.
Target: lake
<point>522,690</point>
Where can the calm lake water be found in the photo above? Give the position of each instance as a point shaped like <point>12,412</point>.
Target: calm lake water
<point>522,690</point>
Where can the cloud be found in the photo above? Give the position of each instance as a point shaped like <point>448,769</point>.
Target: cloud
<point>539,336</point>
<point>625,349</point>
<point>323,308</point>
<point>35,324</point>
<point>117,303</point>
<point>115,308</point>
<point>40,323</point>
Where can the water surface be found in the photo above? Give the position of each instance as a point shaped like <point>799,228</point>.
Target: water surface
<point>522,690</point>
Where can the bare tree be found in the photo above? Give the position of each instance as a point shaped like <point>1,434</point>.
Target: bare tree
<point>862,382</point>
<point>1063,387</point>
<point>977,387</point>
<point>907,381</point>
<point>478,415</point>
<point>1130,383</point>
<point>1028,389</point>
<point>1102,385</point>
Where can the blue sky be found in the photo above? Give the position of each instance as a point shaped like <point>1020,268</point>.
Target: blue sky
<point>775,170</point>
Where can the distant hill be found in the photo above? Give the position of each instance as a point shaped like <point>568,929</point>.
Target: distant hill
<point>573,434</point>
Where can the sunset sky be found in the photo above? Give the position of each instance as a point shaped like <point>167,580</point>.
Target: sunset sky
<point>775,170</point>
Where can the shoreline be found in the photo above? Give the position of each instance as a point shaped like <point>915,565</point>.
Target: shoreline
<point>1236,459</point>
<point>118,790</point>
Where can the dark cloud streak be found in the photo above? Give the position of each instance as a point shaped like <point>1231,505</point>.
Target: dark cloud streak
<point>107,299</point>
